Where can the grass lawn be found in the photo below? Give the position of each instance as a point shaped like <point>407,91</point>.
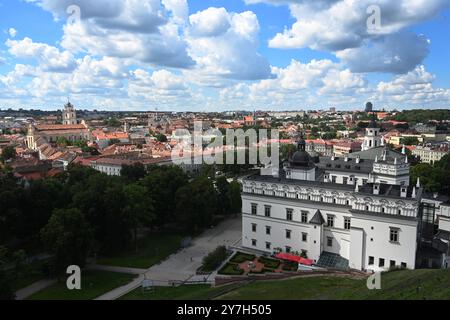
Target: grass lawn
<point>397,285</point>
<point>33,274</point>
<point>93,284</point>
<point>151,250</point>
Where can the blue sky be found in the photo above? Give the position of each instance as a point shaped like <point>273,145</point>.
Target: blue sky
<point>215,55</point>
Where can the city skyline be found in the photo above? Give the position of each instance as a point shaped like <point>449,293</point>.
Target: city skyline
<point>178,55</point>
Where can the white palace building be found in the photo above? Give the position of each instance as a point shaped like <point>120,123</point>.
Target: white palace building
<point>358,212</point>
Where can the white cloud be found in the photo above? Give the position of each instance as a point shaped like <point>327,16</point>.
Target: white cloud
<point>415,87</point>
<point>210,22</point>
<point>50,58</point>
<point>341,25</point>
<point>12,32</point>
<point>225,44</point>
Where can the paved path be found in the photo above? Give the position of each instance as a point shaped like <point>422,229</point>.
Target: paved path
<point>116,269</point>
<point>181,266</point>
<point>35,287</point>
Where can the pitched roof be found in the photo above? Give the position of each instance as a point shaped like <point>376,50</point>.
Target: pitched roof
<point>318,218</point>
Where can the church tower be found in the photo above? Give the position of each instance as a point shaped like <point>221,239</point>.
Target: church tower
<point>373,138</point>
<point>69,114</point>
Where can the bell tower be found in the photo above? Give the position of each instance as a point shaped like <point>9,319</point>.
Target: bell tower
<point>69,114</point>
<point>373,138</point>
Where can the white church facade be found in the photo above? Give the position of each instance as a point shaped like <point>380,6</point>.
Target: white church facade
<point>359,210</point>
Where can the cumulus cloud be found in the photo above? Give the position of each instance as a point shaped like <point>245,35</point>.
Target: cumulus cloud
<point>415,87</point>
<point>144,30</point>
<point>50,58</point>
<point>225,44</point>
<point>396,53</point>
<point>12,32</point>
<point>337,26</point>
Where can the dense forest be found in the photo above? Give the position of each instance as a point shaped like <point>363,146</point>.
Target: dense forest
<point>84,212</point>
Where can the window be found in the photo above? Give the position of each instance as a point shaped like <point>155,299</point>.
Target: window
<point>347,223</point>
<point>254,209</point>
<point>268,245</point>
<point>371,261</point>
<point>254,242</point>
<point>392,264</point>
<point>304,237</point>
<point>403,265</point>
<point>267,211</point>
<point>268,230</point>
<point>289,214</point>
<point>345,180</point>
<point>381,262</point>
<point>304,216</point>
<point>399,212</point>
<point>329,241</point>
<point>330,221</point>
<point>254,227</point>
<point>367,208</point>
<point>288,249</point>
<point>393,237</point>
<point>333,179</point>
<point>304,253</point>
<point>365,181</point>
<point>383,210</point>
<point>288,234</point>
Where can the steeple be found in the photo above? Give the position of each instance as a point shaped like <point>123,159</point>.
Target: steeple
<point>372,138</point>
<point>69,114</point>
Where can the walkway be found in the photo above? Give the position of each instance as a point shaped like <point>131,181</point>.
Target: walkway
<point>24,293</point>
<point>181,266</point>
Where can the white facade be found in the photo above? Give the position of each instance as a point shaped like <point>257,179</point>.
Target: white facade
<point>358,226</point>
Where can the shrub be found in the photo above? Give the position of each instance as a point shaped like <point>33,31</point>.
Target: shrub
<point>241,257</point>
<point>213,260</point>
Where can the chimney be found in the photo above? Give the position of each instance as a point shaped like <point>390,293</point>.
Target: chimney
<point>414,195</point>
<point>357,187</point>
<point>418,183</point>
<point>346,158</point>
<point>376,158</point>
<point>403,149</point>
<point>403,191</point>
<point>376,189</point>
<point>395,161</point>
<point>358,159</point>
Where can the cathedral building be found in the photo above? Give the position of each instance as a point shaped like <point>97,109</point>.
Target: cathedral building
<point>43,137</point>
<point>357,211</point>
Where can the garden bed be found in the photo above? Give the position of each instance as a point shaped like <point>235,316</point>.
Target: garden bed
<point>231,269</point>
<point>241,257</point>
<point>269,263</point>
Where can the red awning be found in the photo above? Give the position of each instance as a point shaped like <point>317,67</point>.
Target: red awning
<point>294,258</point>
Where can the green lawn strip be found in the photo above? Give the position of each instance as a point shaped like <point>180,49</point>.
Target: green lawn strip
<point>186,292</point>
<point>395,285</point>
<point>94,283</point>
<point>151,250</point>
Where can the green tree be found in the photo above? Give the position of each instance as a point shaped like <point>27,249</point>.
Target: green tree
<point>138,209</point>
<point>133,172</point>
<point>68,237</point>
<point>234,196</point>
<point>161,138</point>
<point>8,153</point>
<point>62,142</point>
<point>6,281</point>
